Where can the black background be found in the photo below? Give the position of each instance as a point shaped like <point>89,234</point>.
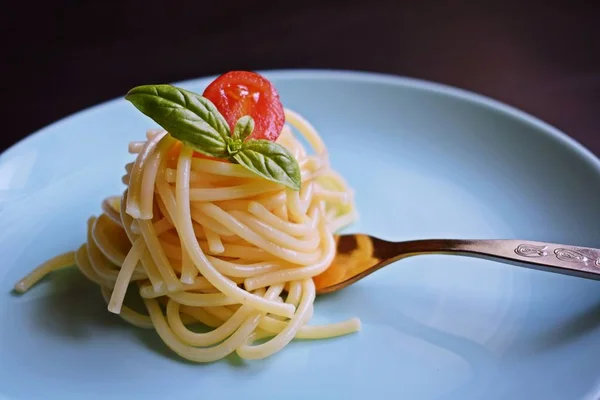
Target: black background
<point>59,57</point>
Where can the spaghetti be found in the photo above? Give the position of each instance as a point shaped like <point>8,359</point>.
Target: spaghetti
<point>210,242</point>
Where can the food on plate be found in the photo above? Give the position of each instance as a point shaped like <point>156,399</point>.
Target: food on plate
<point>225,221</point>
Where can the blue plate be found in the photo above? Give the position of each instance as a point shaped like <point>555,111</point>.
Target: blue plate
<point>426,161</point>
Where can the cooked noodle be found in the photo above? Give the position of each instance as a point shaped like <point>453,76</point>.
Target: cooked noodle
<point>210,242</point>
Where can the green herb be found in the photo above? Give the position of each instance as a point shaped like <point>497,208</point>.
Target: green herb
<point>195,121</point>
<point>187,116</point>
<point>243,128</point>
<point>271,161</point>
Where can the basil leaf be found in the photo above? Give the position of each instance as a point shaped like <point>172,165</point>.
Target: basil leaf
<point>243,128</point>
<point>271,161</point>
<point>187,116</point>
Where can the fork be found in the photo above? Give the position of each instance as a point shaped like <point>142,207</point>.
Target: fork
<point>360,255</point>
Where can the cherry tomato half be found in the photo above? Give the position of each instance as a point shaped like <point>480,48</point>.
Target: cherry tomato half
<point>239,93</point>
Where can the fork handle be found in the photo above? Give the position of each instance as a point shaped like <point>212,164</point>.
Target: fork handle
<point>583,262</point>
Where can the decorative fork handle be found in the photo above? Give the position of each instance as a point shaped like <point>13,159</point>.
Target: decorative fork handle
<point>583,262</point>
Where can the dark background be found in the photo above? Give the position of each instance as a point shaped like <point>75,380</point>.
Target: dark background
<point>59,57</point>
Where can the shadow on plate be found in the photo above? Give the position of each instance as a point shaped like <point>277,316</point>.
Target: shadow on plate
<point>66,304</point>
<point>73,307</point>
<point>563,333</point>
<point>70,306</point>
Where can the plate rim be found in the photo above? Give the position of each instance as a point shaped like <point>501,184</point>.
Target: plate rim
<point>358,76</point>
